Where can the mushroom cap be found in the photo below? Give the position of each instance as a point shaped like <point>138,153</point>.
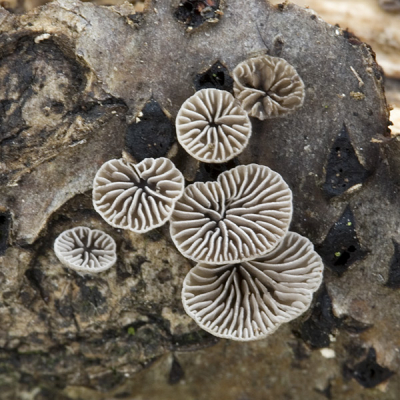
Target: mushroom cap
<point>268,87</point>
<point>86,250</point>
<point>241,216</point>
<point>250,300</point>
<point>138,197</point>
<point>212,126</point>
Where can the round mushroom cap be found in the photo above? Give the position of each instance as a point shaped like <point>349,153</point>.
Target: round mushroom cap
<point>268,87</point>
<point>138,197</point>
<point>241,216</point>
<point>250,300</point>
<point>86,250</point>
<point>212,126</point>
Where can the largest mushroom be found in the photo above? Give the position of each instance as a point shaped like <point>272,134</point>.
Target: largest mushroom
<point>250,300</point>
<point>241,216</point>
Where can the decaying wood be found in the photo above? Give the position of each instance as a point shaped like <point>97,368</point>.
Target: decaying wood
<point>77,80</point>
<point>369,21</point>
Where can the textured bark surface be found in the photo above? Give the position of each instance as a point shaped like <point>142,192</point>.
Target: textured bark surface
<point>373,21</point>
<point>75,82</point>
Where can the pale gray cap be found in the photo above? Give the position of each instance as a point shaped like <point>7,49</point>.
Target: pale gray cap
<point>138,197</point>
<point>268,87</point>
<point>212,126</point>
<point>241,216</point>
<point>86,250</point>
<point>250,300</point>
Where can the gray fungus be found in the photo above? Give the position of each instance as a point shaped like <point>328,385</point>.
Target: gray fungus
<point>268,87</point>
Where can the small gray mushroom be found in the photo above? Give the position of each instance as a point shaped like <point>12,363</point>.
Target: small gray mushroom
<point>212,126</point>
<point>241,216</point>
<point>268,87</point>
<point>250,300</point>
<point>86,250</point>
<point>138,197</point>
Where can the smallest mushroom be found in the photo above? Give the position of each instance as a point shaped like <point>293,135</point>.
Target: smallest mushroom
<point>86,250</point>
<point>268,87</point>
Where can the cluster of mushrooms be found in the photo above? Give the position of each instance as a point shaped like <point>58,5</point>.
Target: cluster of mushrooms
<point>252,274</point>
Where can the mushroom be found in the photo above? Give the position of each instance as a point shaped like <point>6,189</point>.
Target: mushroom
<point>212,126</point>
<point>250,300</point>
<point>241,216</point>
<point>86,250</point>
<point>137,197</point>
<point>268,87</point>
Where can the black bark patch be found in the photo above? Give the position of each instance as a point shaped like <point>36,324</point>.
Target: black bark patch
<point>316,329</point>
<point>176,372</point>
<point>210,172</point>
<point>341,247</point>
<point>194,13</point>
<point>216,77</point>
<point>5,224</point>
<point>152,136</point>
<point>369,373</point>
<point>344,170</point>
<point>393,281</point>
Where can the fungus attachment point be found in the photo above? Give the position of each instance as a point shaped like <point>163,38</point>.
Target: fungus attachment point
<point>268,87</point>
<point>250,300</point>
<point>138,197</point>
<point>86,250</point>
<point>212,126</point>
<point>241,216</point>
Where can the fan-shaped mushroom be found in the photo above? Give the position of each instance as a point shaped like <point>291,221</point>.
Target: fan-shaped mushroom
<point>212,126</point>
<point>250,300</point>
<point>268,87</point>
<point>137,197</point>
<point>86,250</point>
<point>241,216</point>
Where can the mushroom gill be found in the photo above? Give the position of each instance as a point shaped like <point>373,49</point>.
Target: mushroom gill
<point>268,87</point>
<point>138,197</point>
<point>250,300</point>
<point>212,126</point>
<point>85,250</point>
<point>241,216</point>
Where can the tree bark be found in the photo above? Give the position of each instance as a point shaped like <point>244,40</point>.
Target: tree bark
<point>75,82</point>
